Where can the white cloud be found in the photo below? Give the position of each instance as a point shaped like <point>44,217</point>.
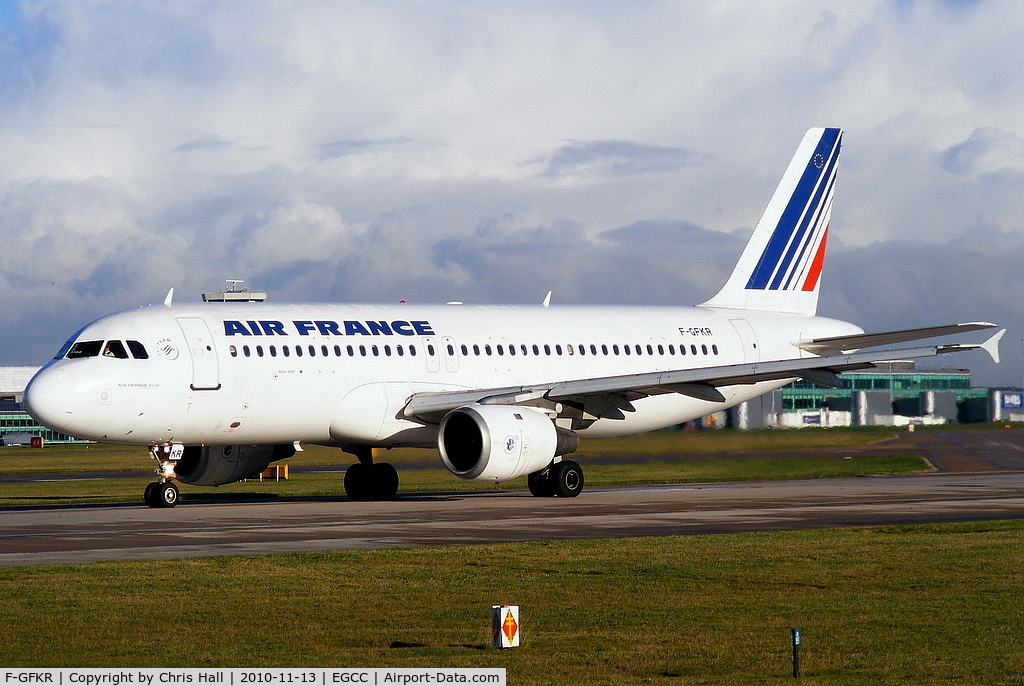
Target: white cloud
<point>449,150</point>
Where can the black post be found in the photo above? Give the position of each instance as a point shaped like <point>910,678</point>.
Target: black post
<point>796,653</point>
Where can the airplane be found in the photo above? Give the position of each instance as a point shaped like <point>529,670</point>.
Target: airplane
<point>219,391</point>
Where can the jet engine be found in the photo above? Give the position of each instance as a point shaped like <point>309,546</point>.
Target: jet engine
<point>215,465</point>
<point>500,442</point>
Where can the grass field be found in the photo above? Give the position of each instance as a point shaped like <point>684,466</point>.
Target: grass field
<point>897,605</point>
<point>893,605</point>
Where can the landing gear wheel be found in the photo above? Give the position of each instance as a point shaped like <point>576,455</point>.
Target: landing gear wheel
<point>385,481</point>
<point>367,480</point>
<point>357,482</point>
<point>540,484</point>
<point>148,494</point>
<point>566,478</point>
<point>163,494</point>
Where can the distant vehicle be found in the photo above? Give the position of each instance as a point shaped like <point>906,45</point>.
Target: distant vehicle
<point>220,391</point>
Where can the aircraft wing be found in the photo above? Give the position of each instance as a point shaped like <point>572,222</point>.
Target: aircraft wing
<point>846,344</point>
<point>608,397</point>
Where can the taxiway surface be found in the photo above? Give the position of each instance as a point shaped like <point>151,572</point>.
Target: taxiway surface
<point>85,534</point>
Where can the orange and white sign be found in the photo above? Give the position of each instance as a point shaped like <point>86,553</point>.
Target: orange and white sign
<point>505,626</point>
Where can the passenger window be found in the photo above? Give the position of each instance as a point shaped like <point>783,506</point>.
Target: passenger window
<point>85,349</point>
<point>115,349</point>
<point>138,350</point>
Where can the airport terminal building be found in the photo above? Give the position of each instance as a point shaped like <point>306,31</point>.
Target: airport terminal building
<point>898,395</point>
<point>16,425</point>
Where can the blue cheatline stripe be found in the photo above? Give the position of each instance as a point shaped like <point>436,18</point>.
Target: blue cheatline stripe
<point>803,195</point>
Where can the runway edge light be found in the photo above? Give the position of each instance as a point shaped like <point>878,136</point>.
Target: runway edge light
<point>505,626</point>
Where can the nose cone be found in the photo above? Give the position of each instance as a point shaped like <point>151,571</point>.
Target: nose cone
<point>50,399</point>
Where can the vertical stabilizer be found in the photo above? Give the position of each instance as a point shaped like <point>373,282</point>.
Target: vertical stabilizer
<point>780,269</point>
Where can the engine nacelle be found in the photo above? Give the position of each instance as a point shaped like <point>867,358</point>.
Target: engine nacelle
<point>500,442</point>
<point>203,465</point>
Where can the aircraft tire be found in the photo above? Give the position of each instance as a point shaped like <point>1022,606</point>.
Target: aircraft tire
<point>165,494</point>
<point>566,478</point>
<point>149,495</point>
<point>358,482</point>
<point>384,484</point>
<point>540,484</point>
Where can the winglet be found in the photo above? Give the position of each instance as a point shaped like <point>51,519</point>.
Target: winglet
<point>169,298</point>
<point>991,346</point>
<point>547,300</point>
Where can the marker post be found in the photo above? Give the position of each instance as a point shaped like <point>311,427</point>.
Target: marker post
<point>796,653</point>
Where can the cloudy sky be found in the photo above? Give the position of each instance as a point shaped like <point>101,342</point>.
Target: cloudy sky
<point>490,152</point>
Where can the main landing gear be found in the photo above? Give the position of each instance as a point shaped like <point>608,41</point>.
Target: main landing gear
<point>162,493</point>
<point>366,480</point>
<point>563,479</point>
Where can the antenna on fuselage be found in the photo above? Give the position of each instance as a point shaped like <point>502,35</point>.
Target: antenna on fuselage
<point>235,292</point>
<point>169,298</point>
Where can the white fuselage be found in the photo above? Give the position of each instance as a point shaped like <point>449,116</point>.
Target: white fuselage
<point>257,373</point>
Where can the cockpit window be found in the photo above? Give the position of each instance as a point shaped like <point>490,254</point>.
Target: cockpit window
<point>115,349</point>
<point>138,350</point>
<point>84,349</point>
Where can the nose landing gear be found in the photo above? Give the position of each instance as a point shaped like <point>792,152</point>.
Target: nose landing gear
<point>163,493</point>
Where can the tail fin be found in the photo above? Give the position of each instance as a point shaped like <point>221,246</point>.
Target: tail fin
<point>780,268</point>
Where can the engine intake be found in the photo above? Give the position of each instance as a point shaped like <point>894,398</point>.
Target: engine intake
<point>500,442</point>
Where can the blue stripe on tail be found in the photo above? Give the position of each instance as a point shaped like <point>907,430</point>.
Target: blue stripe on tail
<point>790,240</point>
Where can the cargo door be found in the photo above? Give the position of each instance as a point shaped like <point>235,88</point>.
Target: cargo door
<point>205,368</point>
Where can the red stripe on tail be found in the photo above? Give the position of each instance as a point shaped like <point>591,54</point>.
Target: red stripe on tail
<point>819,261</point>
